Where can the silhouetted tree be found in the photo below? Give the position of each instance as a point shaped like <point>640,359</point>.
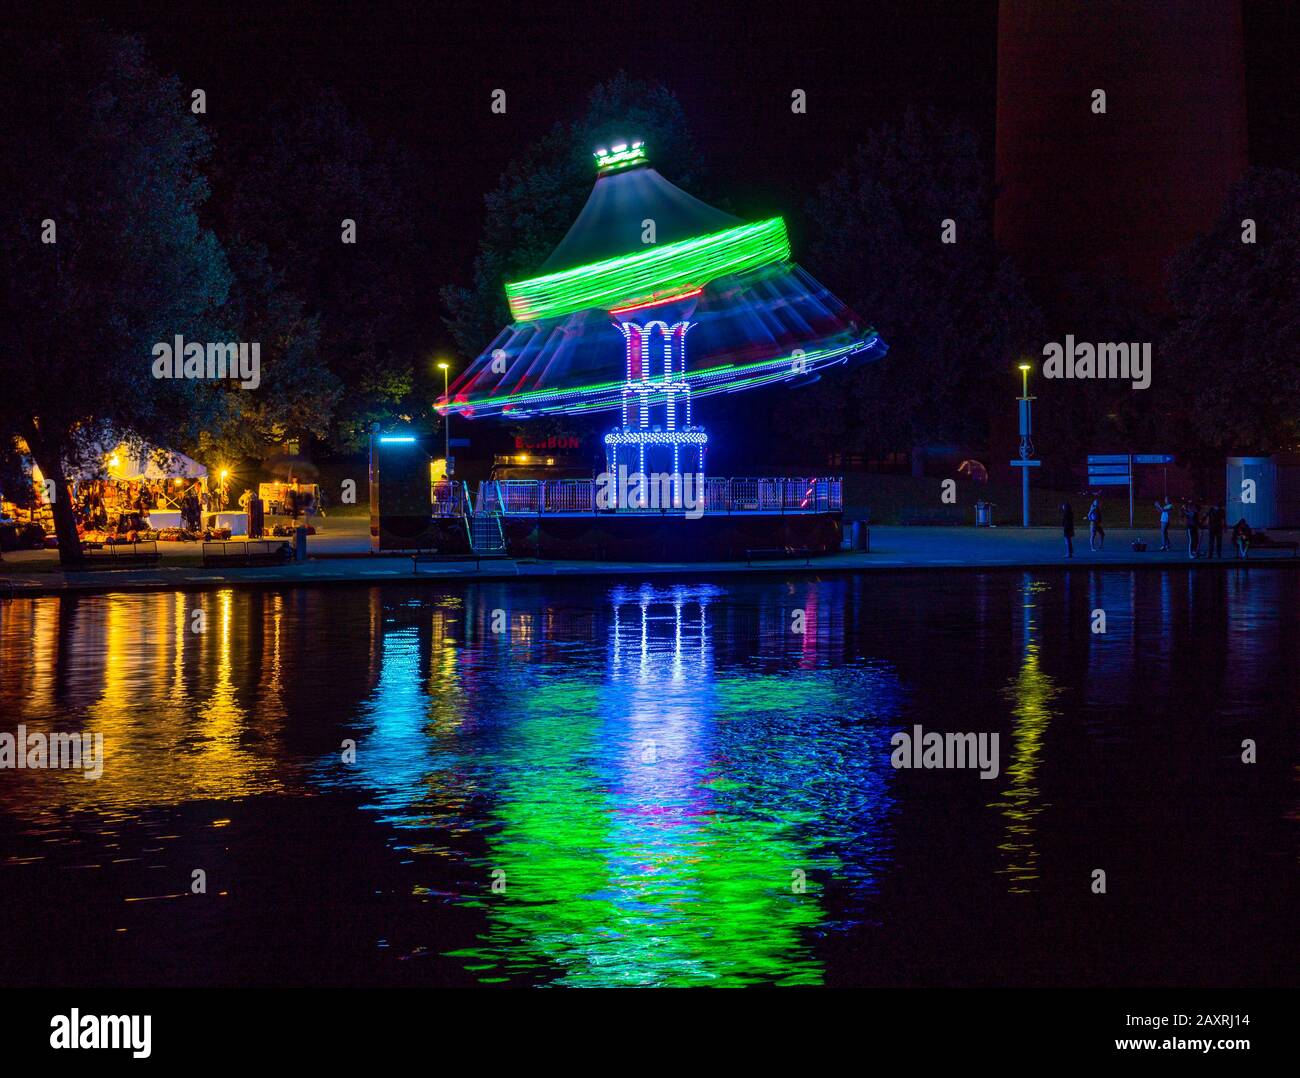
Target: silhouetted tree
<point>102,155</point>
<point>104,149</point>
<point>1079,417</point>
<point>1230,354</point>
<point>955,315</point>
<point>359,307</point>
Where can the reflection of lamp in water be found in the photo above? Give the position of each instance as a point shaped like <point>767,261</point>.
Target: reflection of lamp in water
<point>1031,692</point>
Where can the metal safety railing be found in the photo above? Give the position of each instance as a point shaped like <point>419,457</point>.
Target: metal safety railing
<point>449,498</point>
<point>568,496</point>
<point>778,494</point>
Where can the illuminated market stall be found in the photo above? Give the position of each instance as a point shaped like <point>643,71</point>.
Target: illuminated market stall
<point>139,490</point>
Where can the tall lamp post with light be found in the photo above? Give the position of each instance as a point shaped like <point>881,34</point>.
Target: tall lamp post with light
<point>1026,461</point>
<point>446,421</point>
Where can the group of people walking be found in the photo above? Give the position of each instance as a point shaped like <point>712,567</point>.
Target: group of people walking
<point>1196,524</point>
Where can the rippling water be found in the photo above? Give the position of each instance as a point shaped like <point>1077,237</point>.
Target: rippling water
<point>614,784</point>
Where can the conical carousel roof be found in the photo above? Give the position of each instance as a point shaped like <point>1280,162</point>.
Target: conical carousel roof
<point>757,317</point>
<point>610,224</point>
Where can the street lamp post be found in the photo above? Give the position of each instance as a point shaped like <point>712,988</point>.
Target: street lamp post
<point>446,422</point>
<point>1026,460</point>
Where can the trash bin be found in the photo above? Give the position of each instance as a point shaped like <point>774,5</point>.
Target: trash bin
<point>983,514</point>
<point>300,544</point>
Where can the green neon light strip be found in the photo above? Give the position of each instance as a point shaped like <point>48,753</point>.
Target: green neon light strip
<point>652,274</point>
<point>723,378</point>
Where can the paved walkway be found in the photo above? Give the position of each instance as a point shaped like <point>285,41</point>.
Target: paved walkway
<point>340,555</point>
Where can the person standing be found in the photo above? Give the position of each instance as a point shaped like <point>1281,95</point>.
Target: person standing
<point>1214,532</point>
<point>1166,508</point>
<point>255,517</point>
<point>1067,528</point>
<point>1096,533</point>
<point>1191,521</point>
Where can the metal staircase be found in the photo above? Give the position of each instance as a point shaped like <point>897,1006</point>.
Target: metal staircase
<point>485,534</point>
<point>487,538</point>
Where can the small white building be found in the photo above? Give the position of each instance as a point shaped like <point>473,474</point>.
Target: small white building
<point>1264,490</point>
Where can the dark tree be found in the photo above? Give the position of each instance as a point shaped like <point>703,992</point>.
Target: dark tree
<point>1230,355</point>
<point>297,393</point>
<point>101,154</point>
<point>1100,415</point>
<point>360,307</point>
<point>955,315</point>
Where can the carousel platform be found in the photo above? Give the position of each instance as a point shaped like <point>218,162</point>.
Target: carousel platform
<point>726,519</point>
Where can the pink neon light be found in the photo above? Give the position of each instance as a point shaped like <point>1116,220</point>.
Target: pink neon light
<point>656,302</point>
<point>634,343</point>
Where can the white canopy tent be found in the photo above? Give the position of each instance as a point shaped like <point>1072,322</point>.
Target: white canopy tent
<point>144,462</point>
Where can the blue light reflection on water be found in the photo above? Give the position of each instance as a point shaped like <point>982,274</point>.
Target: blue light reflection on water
<point>662,817</point>
<point>659,784</point>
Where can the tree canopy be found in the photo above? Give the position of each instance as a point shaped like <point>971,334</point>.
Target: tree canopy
<point>955,314</point>
<point>1230,353</point>
<point>104,252</point>
<point>345,315</point>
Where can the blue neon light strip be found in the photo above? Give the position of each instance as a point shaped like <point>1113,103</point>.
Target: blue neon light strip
<point>726,378</point>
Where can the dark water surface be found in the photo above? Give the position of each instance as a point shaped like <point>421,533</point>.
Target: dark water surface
<point>649,772</point>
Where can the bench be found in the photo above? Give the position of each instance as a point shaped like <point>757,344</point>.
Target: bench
<point>119,555</point>
<point>1273,544</point>
<point>774,553</point>
<point>246,552</point>
<point>421,556</point>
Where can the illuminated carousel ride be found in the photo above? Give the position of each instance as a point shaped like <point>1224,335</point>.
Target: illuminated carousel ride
<point>652,301</point>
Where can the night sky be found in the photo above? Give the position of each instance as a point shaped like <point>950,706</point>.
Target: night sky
<point>422,75</point>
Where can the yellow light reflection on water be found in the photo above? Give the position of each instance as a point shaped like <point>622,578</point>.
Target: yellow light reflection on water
<point>1030,693</point>
<point>163,691</point>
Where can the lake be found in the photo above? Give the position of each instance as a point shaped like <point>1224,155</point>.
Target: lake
<point>625,783</point>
